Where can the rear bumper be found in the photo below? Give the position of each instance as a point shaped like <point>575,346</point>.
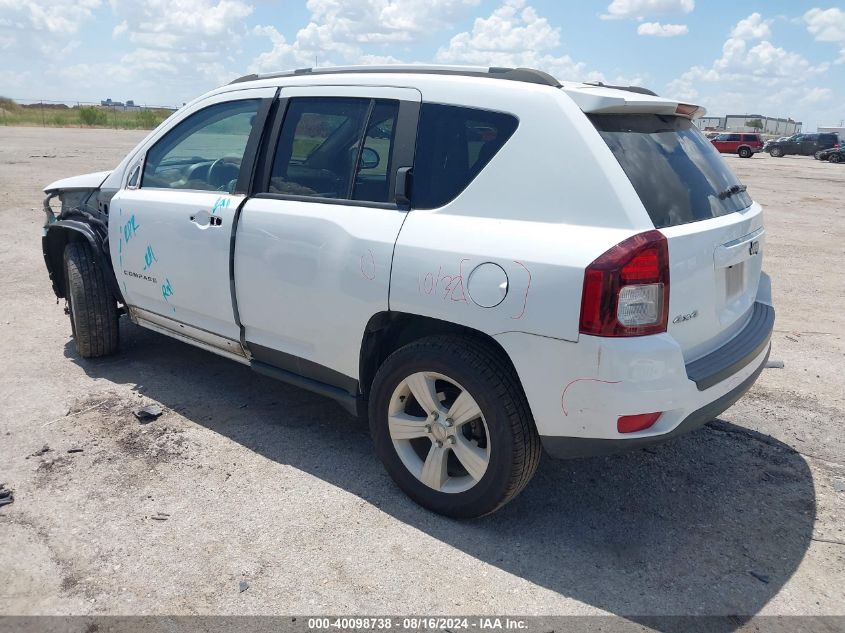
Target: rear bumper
<point>578,391</point>
<point>570,447</point>
<point>737,353</point>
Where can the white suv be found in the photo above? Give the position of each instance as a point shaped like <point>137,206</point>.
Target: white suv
<point>484,260</point>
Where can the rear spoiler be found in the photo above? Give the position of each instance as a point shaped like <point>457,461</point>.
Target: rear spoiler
<point>601,99</point>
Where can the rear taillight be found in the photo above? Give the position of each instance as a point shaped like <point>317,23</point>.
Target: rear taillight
<point>626,290</point>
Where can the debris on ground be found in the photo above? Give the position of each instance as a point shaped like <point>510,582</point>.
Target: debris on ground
<point>74,450</point>
<point>6,496</point>
<point>761,577</point>
<point>243,586</point>
<point>70,414</point>
<point>160,516</point>
<point>44,449</point>
<point>774,364</point>
<point>148,413</point>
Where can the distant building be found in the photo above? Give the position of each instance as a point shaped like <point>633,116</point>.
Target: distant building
<point>710,123</point>
<point>739,123</point>
<point>835,129</point>
<point>108,103</point>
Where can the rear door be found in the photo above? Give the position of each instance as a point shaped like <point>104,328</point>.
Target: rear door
<point>314,245</point>
<point>714,230</point>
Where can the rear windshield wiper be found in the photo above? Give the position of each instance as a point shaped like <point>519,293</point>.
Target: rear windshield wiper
<point>730,191</point>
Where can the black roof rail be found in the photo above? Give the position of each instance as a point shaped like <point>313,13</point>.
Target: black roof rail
<point>638,89</point>
<point>526,75</point>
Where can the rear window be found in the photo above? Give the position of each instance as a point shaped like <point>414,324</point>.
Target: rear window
<point>453,145</point>
<point>675,170</point>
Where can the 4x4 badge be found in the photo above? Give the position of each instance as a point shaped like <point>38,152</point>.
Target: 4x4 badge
<point>754,247</point>
<point>685,317</point>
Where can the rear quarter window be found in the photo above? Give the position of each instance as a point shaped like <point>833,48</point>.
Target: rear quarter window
<point>677,173</point>
<point>454,144</point>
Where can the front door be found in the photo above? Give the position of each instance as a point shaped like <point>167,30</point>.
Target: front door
<point>170,228</point>
<point>315,243</point>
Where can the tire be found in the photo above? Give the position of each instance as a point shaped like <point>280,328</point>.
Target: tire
<point>818,155</point>
<point>745,152</point>
<point>93,309</point>
<point>499,428</point>
<point>835,158</point>
<point>776,152</point>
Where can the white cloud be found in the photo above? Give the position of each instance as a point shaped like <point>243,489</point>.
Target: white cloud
<point>662,30</point>
<point>828,25</point>
<point>817,96</point>
<point>43,30</point>
<point>379,21</point>
<point>754,27</point>
<point>179,41</point>
<point>339,31</point>
<point>640,9</point>
<point>514,35</point>
<point>52,16</point>
<point>752,76</point>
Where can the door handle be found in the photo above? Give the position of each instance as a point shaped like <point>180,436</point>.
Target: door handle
<point>204,219</point>
<point>403,186</point>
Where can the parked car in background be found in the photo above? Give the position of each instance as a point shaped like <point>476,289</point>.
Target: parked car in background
<point>835,155</point>
<point>802,144</point>
<point>744,145</point>
<point>824,154</point>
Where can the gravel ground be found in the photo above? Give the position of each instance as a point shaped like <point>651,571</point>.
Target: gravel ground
<point>246,480</point>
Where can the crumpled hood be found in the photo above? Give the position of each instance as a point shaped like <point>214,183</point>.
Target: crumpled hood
<point>85,181</point>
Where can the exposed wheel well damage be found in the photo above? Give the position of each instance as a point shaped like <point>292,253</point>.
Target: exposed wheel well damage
<point>388,331</point>
<point>77,221</point>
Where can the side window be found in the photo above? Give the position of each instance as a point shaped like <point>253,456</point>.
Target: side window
<point>320,151</point>
<point>734,137</point>
<point>204,151</point>
<point>372,180</point>
<point>453,145</point>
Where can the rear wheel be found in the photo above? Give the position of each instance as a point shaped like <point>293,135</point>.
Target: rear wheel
<point>93,309</point>
<point>835,158</point>
<point>452,427</point>
<point>744,152</point>
<point>777,152</point>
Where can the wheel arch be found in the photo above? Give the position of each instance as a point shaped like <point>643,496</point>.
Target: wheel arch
<point>388,331</point>
<point>57,235</point>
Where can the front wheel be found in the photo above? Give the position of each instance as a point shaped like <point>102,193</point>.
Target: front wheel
<point>818,155</point>
<point>835,158</point>
<point>452,426</point>
<point>777,152</point>
<point>93,309</point>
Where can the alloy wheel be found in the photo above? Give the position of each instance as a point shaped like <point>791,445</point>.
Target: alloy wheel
<point>439,432</point>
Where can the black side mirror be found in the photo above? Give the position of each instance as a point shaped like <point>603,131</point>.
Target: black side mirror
<point>369,158</point>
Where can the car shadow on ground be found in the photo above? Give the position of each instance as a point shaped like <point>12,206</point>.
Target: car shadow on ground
<point>711,523</point>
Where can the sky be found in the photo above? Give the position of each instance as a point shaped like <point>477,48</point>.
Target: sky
<point>781,58</point>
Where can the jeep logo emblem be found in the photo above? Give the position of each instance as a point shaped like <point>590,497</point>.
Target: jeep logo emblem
<point>685,317</point>
<point>754,247</point>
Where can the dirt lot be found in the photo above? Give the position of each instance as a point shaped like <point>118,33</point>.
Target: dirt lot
<point>246,479</point>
